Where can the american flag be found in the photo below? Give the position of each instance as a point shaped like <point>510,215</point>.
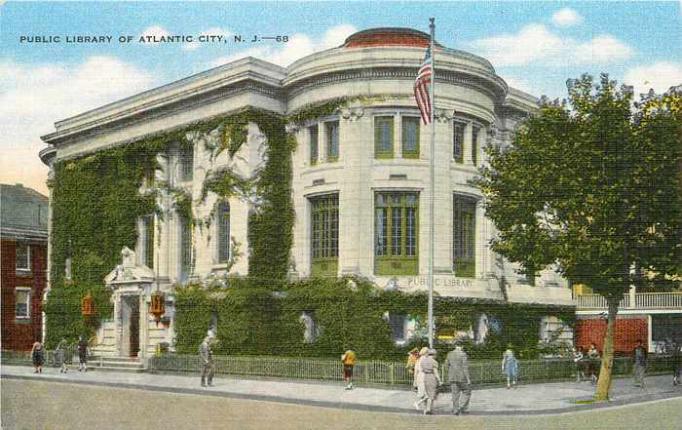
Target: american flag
<point>421,87</point>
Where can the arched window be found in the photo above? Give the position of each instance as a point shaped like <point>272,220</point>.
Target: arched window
<point>223,223</point>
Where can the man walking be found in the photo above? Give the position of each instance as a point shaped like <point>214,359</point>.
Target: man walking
<point>640,356</point>
<point>458,376</point>
<point>206,355</point>
<point>677,363</point>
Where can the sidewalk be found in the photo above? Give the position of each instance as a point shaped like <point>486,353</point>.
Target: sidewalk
<point>556,397</point>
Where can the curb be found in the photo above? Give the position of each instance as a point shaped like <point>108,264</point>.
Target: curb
<point>352,406</point>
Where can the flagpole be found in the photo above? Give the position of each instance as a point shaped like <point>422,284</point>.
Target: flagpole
<point>432,194</point>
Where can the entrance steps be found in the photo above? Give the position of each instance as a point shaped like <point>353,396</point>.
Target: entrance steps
<point>115,364</point>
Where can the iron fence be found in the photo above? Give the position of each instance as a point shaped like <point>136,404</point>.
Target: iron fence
<point>482,372</point>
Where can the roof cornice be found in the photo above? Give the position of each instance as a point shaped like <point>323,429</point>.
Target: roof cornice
<point>228,75</point>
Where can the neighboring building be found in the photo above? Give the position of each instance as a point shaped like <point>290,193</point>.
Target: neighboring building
<point>360,176</point>
<point>23,234</point>
<point>653,317</point>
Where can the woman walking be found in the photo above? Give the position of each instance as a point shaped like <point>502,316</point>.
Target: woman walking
<point>38,356</point>
<point>431,379</point>
<point>510,367</point>
<point>594,360</point>
<point>60,356</point>
<point>418,382</point>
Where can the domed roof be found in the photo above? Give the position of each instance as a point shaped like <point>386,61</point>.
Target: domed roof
<point>388,36</point>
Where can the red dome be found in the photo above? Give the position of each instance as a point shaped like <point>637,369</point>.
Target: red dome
<point>392,36</point>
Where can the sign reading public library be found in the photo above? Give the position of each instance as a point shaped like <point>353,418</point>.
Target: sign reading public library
<point>440,281</point>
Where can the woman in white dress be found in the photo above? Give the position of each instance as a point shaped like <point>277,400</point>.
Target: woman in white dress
<point>419,379</point>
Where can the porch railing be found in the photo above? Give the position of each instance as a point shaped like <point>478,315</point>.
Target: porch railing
<point>665,300</point>
<point>659,300</point>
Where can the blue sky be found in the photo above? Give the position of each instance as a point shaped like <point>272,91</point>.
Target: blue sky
<point>535,46</point>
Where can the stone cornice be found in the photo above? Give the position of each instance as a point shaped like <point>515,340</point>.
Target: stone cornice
<point>491,85</point>
<point>264,77</point>
<point>108,125</point>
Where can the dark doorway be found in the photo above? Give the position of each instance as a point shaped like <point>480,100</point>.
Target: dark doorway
<point>130,323</point>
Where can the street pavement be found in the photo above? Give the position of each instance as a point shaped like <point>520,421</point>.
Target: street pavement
<point>531,399</point>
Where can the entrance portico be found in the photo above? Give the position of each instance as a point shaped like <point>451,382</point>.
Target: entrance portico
<point>131,286</point>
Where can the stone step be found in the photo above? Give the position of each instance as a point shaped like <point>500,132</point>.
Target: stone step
<point>114,358</point>
<point>115,369</point>
<point>121,364</point>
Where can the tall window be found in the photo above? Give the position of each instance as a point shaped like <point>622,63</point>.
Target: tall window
<point>22,303</point>
<point>458,141</point>
<point>148,240</point>
<point>149,174</point>
<point>383,137</point>
<point>313,134</point>
<point>185,248</point>
<point>324,234</point>
<point>410,137</point>
<point>397,324</point>
<point>23,256</point>
<point>187,164</point>
<point>395,225</point>
<point>223,223</point>
<point>475,131</point>
<point>464,236</point>
<point>332,129</point>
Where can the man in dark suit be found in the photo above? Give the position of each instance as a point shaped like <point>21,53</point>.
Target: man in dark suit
<point>458,376</point>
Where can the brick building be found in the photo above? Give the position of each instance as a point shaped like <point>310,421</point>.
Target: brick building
<point>653,317</point>
<point>23,234</point>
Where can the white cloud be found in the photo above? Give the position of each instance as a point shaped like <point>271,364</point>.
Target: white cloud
<point>566,17</point>
<point>33,97</point>
<point>214,31</point>
<point>299,46</point>
<point>660,76</point>
<point>601,50</point>
<point>536,44</point>
<point>154,31</point>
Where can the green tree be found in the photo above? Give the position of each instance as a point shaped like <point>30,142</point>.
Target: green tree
<point>592,186</point>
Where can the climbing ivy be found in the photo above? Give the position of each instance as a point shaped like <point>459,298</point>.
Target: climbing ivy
<point>95,206</point>
<point>97,202</point>
<point>349,312</point>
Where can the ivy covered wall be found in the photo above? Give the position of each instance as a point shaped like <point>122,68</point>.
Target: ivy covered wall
<point>96,204</point>
<point>348,313</point>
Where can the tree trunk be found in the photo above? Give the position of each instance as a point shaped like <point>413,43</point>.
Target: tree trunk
<point>604,382</point>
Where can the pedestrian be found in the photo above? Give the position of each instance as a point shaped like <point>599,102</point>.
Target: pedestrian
<point>419,379</point>
<point>348,359</point>
<point>412,358</point>
<point>60,356</point>
<point>676,362</point>
<point>206,356</point>
<point>82,354</point>
<point>431,379</point>
<point>458,376</point>
<point>578,360</point>
<point>594,361</point>
<point>38,356</point>
<point>639,355</point>
<point>510,367</point>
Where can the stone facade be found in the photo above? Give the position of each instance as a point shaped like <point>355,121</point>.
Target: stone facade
<point>374,72</point>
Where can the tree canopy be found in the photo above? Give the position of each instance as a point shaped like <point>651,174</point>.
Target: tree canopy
<point>593,185</point>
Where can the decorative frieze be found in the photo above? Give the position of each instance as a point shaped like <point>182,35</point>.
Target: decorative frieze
<point>352,114</point>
